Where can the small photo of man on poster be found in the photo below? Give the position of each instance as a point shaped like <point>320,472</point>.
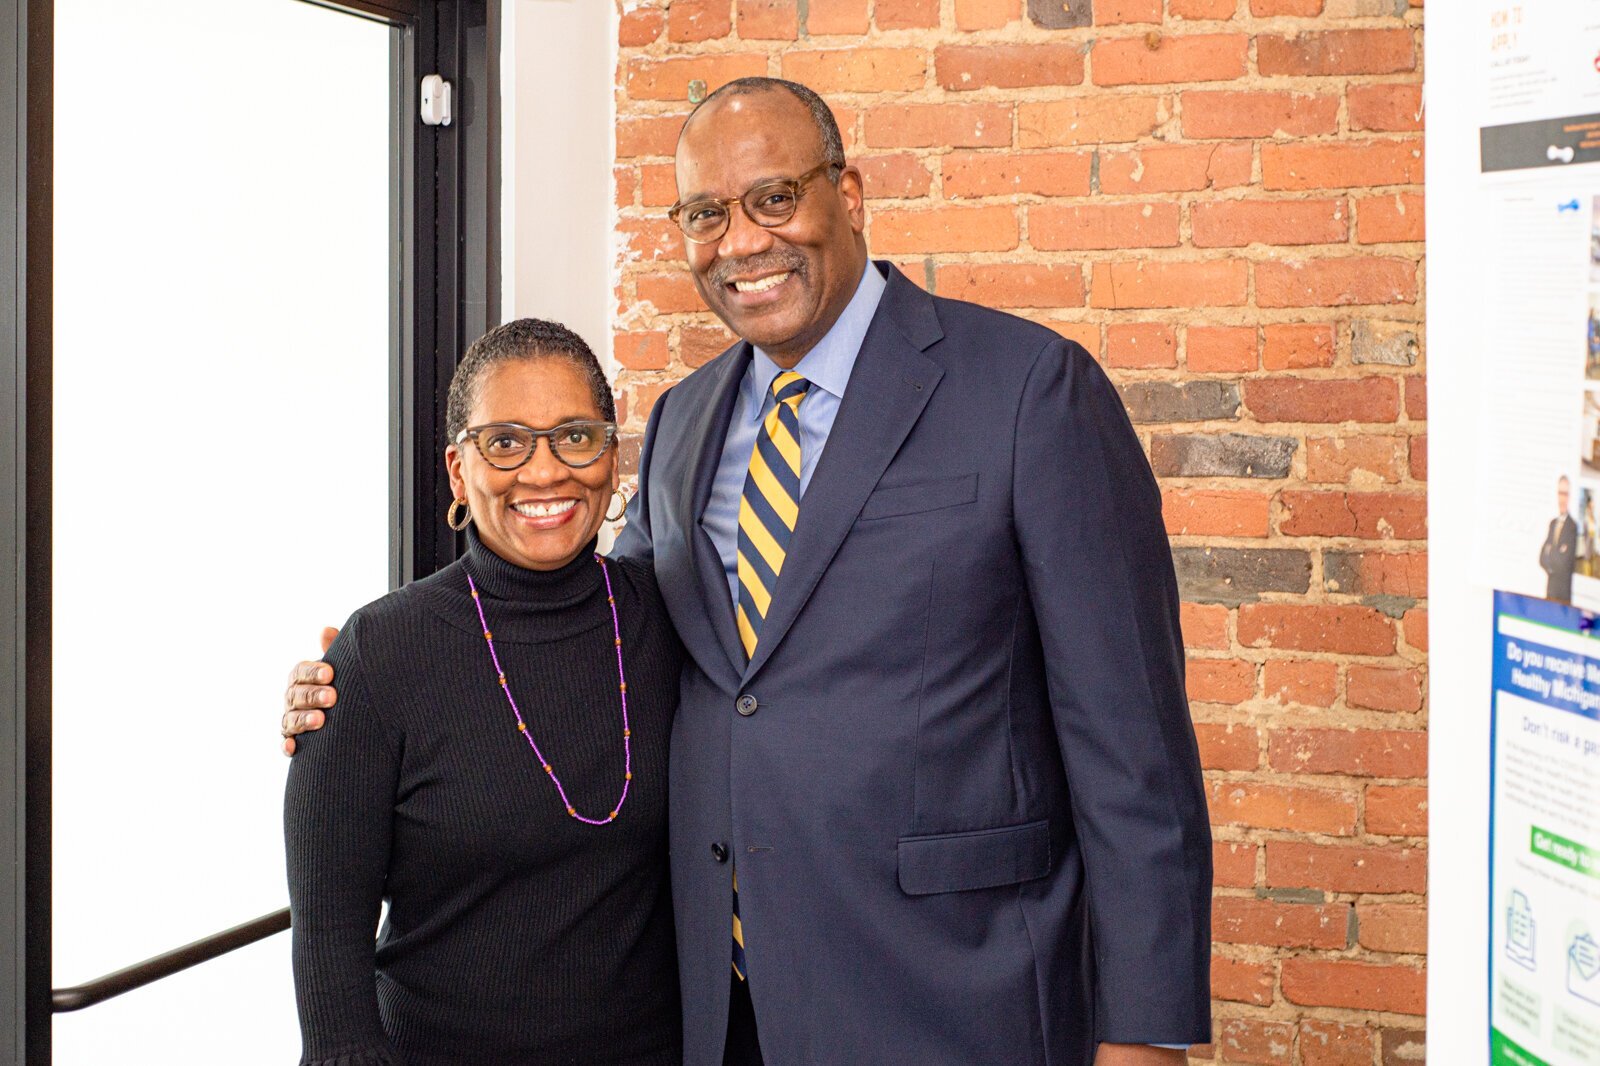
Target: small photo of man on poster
<point>1558,554</point>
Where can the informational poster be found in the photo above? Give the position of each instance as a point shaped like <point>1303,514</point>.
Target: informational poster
<point>1538,207</point>
<point>1544,962</point>
<point>1513,97</point>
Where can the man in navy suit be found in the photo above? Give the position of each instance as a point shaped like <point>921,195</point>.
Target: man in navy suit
<point>933,720</point>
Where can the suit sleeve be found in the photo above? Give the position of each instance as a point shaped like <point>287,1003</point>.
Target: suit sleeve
<point>635,542</point>
<point>1100,578</point>
<point>337,820</point>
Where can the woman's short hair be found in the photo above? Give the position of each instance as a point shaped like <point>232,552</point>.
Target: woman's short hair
<point>523,338</point>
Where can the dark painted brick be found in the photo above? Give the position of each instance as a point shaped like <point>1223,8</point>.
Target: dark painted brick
<point>1224,455</point>
<point>1360,573</point>
<point>1391,583</point>
<point>1341,572</point>
<point>1239,575</point>
<point>1061,14</point>
<point>1404,1047</point>
<point>1193,401</point>
<point>1393,606</point>
<point>1292,895</point>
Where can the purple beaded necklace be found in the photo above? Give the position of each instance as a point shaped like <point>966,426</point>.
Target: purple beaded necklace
<point>522,727</point>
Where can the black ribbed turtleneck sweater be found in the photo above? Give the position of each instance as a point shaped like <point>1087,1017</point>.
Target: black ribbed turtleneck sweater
<point>514,934</point>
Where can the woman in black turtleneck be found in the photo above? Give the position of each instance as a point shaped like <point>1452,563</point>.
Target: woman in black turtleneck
<point>517,931</point>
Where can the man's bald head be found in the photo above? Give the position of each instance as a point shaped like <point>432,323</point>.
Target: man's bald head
<point>829,139</point>
<point>779,285</point>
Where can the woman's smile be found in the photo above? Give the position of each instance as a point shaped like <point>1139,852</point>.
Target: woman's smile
<point>546,514</point>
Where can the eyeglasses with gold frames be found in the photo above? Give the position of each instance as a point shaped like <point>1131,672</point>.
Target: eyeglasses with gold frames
<point>772,203</point>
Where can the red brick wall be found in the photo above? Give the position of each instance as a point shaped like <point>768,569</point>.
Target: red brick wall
<point>1222,200</point>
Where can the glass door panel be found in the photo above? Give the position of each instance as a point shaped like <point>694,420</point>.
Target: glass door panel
<point>222,477</point>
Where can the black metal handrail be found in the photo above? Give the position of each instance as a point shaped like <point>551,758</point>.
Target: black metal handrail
<point>168,963</point>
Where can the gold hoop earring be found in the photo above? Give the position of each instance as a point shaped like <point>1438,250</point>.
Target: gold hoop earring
<point>624,498</point>
<point>465,515</point>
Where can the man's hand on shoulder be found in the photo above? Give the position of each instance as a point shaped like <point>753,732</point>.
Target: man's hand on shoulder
<point>1139,1055</point>
<point>310,688</point>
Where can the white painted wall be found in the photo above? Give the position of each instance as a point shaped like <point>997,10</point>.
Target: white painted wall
<point>558,116</point>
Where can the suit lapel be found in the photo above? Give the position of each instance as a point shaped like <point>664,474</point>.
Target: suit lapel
<point>709,431</point>
<point>888,389</point>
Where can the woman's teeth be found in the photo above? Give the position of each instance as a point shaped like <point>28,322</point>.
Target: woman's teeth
<point>544,510</point>
<point>762,285</point>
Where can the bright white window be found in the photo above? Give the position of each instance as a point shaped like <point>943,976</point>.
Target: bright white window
<point>221,450</point>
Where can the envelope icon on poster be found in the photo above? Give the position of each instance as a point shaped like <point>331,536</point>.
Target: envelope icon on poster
<point>1583,969</point>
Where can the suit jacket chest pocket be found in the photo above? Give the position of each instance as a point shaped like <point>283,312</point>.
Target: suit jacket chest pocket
<point>918,497</point>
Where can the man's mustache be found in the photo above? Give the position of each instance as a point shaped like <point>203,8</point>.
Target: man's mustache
<point>728,269</point>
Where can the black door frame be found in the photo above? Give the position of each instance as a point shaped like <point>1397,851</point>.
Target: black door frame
<point>445,266</point>
<point>26,70</point>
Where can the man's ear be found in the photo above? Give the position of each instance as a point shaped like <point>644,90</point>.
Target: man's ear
<point>853,190</point>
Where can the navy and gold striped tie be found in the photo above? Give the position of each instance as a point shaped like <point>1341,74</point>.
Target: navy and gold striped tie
<point>769,506</point>
<point>767,513</point>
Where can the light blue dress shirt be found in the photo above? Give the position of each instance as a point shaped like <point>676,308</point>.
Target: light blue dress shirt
<point>827,367</point>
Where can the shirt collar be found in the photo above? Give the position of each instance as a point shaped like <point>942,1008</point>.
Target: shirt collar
<point>828,365</point>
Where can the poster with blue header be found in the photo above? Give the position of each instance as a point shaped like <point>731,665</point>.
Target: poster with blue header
<point>1544,833</point>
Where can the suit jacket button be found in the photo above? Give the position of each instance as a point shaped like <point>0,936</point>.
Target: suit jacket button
<point>719,851</point>
<point>747,705</point>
